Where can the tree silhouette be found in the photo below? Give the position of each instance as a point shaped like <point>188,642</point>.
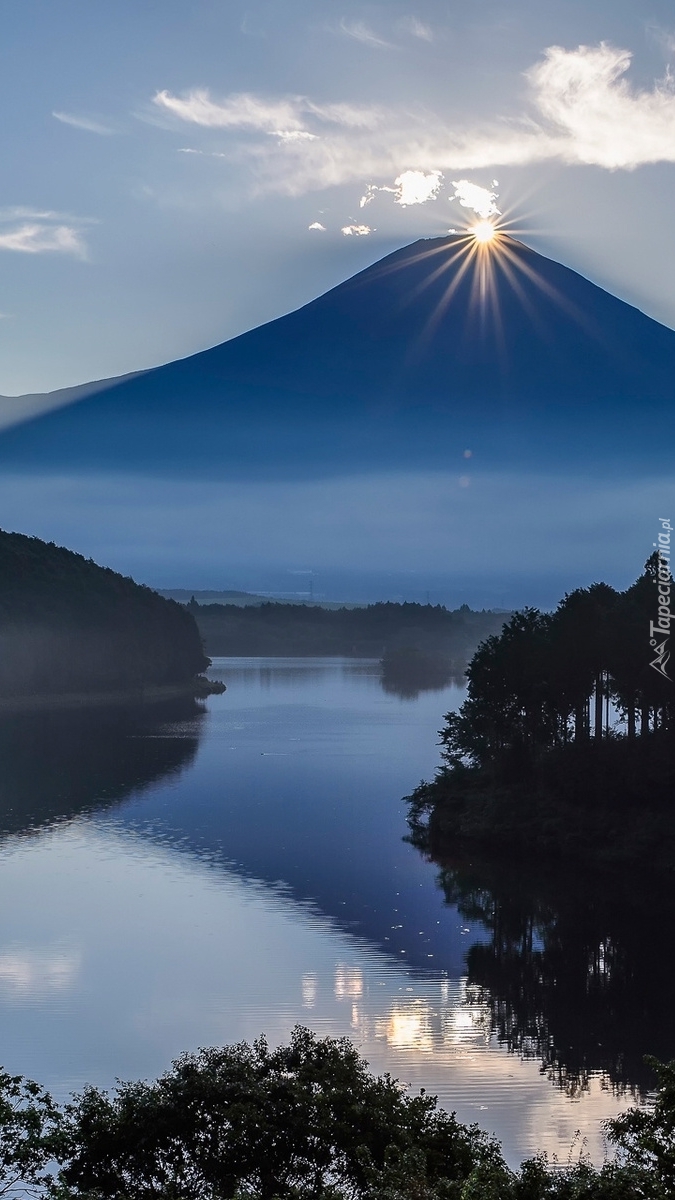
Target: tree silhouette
<point>546,675</point>
<point>545,751</point>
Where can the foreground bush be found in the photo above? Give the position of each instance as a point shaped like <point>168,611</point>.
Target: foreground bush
<point>305,1121</point>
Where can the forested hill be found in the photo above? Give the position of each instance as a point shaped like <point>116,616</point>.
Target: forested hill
<point>370,632</point>
<point>68,625</point>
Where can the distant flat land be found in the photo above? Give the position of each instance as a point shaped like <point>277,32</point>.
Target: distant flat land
<point>246,599</point>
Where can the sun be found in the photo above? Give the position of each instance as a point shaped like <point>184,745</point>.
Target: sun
<point>483,231</point>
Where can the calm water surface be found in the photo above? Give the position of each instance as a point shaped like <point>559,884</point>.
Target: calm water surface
<point>192,876</point>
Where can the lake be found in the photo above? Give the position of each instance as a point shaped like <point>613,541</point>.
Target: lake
<point>193,874</point>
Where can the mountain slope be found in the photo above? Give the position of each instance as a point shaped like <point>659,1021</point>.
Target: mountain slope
<point>414,357</point>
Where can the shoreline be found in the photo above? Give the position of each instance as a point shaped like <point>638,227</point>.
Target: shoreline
<point>605,805</point>
<point>154,694</point>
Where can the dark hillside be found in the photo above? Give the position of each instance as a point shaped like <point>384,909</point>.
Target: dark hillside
<point>68,625</point>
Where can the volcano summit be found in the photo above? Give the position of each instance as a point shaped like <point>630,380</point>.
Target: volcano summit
<point>435,347</point>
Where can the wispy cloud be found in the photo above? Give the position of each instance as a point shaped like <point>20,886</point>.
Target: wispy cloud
<point>201,153</point>
<point>582,110</point>
<point>349,116</point>
<point>23,212</point>
<point>242,110</point>
<point>42,231</point>
<point>360,32</point>
<point>285,118</point>
<point>416,28</point>
<point>293,135</point>
<point>87,123</point>
<point>43,239</point>
<point>665,38</point>
<point>371,192</point>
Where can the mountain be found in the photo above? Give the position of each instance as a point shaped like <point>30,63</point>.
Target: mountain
<point>14,409</point>
<point>428,351</point>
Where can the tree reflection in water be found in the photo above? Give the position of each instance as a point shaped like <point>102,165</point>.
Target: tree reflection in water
<point>580,970</point>
<point>407,671</point>
<point>59,762</point>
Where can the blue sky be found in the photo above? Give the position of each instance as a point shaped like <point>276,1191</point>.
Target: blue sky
<point>163,162</point>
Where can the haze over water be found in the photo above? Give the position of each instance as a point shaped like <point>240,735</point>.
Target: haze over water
<point>196,878</point>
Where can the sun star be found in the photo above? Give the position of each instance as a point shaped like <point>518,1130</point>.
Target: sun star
<point>483,231</point>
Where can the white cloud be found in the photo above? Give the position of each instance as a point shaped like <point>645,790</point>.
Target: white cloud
<point>351,116</point>
<point>285,118</point>
<point>356,230</point>
<point>411,187</point>
<point>241,110</point>
<point>415,28</point>
<point>599,118</point>
<point>370,192</point>
<point>86,123</point>
<point>22,212</point>
<point>582,110</point>
<point>202,153</point>
<point>317,225</point>
<point>360,32</point>
<point>294,135</point>
<point>414,187</point>
<point>40,239</point>
<point>470,195</point>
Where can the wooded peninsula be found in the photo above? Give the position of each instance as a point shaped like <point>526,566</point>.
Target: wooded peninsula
<point>566,742</point>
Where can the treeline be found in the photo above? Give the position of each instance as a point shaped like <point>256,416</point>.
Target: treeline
<point>567,730</point>
<point>303,1122</point>
<point>369,632</point>
<point>68,625</point>
<point>551,678</point>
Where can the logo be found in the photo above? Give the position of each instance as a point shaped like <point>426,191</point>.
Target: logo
<point>661,661</point>
<point>663,580</point>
